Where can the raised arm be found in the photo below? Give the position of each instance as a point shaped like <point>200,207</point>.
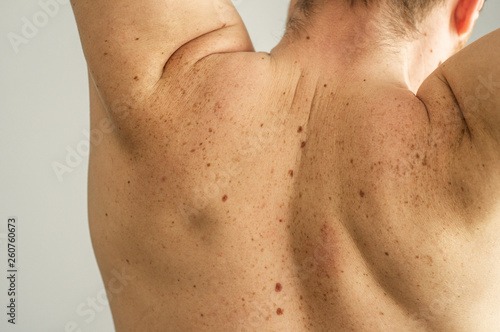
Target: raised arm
<point>471,79</point>
<point>128,43</point>
<point>473,76</point>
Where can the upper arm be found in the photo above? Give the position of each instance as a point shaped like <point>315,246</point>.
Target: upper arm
<point>463,101</point>
<point>473,77</point>
<point>127,44</point>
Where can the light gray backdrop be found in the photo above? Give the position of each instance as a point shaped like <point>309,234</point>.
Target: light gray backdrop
<point>43,124</point>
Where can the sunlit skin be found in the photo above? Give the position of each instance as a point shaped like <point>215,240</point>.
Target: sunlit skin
<point>338,183</point>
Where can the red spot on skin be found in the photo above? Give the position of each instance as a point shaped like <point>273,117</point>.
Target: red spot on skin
<point>300,129</point>
<point>224,198</point>
<point>281,220</point>
<point>279,311</point>
<point>163,179</point>
<point>361,193</point>
<point>290,172</point>
<point>278,287</point>
<point>303,145</point>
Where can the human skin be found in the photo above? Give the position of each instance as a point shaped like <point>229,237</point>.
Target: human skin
<point>338,183</point>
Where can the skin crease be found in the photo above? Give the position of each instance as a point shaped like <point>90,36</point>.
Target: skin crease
<point>308,189</point>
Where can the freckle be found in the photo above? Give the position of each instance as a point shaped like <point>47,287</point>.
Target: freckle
<point>163,179</point>
<point>418,156</point>
<point>290,172</point>
<point>361,193</point>
<point>261,125</point>
<point>106,41</point>
<point>136,38</point>
<point>279,311</point>
<point>201,315</point>
<point>347,104</point>
<point>300,129</point>
<point>224,198</point>
<point>193,150</point>
<point>278,287</point>
<point>431,50</point>
<point>210,130</point>
<point>417,257</point>
<point>128,261</point>
<point>381,313</point>
<point>105,53</point>
<point>352,161</point>
<point>303,145</point>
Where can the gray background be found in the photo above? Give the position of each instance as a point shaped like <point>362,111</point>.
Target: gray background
<point>44,114</point>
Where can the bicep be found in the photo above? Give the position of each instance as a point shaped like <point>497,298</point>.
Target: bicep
<point>128,43</point>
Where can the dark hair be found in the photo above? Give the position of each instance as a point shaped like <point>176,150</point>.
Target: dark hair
<point>406,13</point>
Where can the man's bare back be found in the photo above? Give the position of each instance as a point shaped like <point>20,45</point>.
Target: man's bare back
<point>280,195</point>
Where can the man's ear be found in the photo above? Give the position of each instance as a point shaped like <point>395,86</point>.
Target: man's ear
<point>466,14</point>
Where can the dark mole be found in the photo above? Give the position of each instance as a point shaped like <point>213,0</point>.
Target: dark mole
<point>278,287</point>
<point>224,198</point>
<point>106,41</point>
<point>106,214</point>
<point>361,193</point>
<point>105,53</point>
<point>325,85</point>
<point>128,181</point>
<point>127,261</point>
<point>386,253</point>
<point>308,37</point>
<point>303,145</point>
<point>352,161</point>
<point>291,173</point>
<point>136,78</point>
<point>279,311</point>
<point>300,129</point>
<point>136,38</point>
<point>208,165</point>
<point>261,125</point>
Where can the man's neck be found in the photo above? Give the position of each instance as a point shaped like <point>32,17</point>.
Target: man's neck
<point>347,42</point>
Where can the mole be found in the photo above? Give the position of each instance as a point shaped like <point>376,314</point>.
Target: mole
<point>386,253</point>
<point>361,193</point>
<point>300,129</point>
<point>105,53</point>
<point>303,145</point>
<point>279,311</point>
<point>163,179</point>
<point>308,37</point>
<point>127,261</point>
<point>279,287</point>
<point>291,173</point>
<point>224,198</point>
<point>136,38</point>
<point>136,78</point>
